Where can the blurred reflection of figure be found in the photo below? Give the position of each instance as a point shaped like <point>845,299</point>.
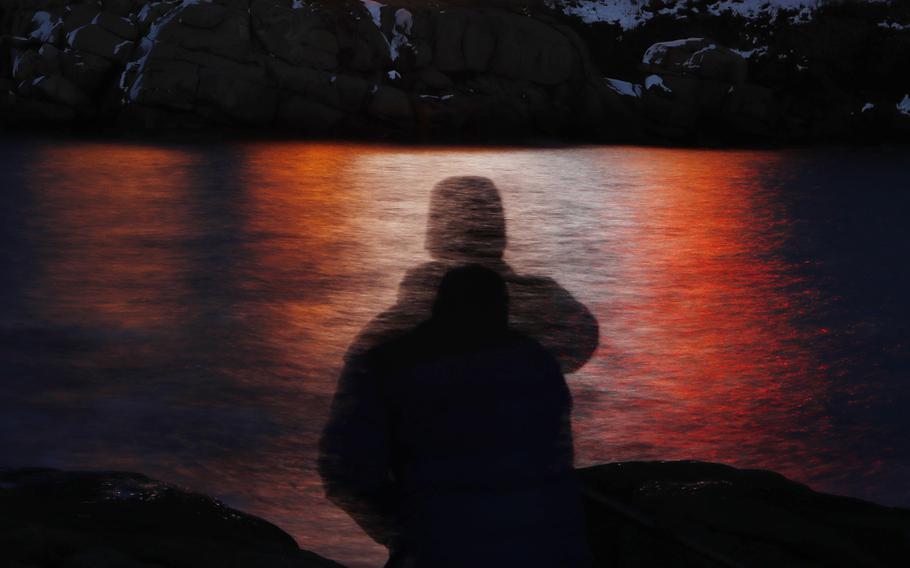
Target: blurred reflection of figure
<point>452,444</point>
<point>467,225</point>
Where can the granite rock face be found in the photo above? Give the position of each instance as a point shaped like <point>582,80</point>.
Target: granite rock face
<point>126,520</point>
<point>699,514</point>
<point>308,66</point>
<point>458,70</point>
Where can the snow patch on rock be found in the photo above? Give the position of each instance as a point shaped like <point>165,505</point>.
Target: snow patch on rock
<point>375,10</point>
<point>903,107</point>
<point>624,88</point>
<point>656,82</point>
<point>625,13</point>
<point>630,14</point>
<point>44,30</point>
<point>403,22</point>
<point>893,26</point>
<point>655,54</point>
<point>749,53</point>
<point>146,44</point>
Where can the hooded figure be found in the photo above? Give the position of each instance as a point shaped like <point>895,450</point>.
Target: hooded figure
<point>452,444</point>
<point>466,224</point>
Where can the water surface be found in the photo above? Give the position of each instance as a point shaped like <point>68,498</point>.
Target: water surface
<point>182,310</point>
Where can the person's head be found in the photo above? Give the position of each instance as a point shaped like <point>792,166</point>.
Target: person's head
<point>466,221</point>
<point>472,299</point>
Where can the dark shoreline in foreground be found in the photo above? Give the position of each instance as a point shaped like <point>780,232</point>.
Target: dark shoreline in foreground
<point>683,513</point>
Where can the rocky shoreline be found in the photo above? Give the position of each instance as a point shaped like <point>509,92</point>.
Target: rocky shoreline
<point>639,514</point>
<point>453,71</point>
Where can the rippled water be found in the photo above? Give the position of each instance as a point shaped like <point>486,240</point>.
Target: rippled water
<point>182,310</point>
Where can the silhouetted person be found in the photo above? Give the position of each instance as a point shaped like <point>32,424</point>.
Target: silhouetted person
<point>467,225</point>
<point>452,444</point>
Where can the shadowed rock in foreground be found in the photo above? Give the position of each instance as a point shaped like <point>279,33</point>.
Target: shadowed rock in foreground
<point>126,520</point>
<point>666,514</point>
<point>701,514</point>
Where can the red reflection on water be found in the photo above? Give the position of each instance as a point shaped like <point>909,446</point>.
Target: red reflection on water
<point>108,220</point>
<point>700,354</point>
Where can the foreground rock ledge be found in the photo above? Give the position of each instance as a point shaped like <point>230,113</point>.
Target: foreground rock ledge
<point>690,513</point>
<point>639,514</point>
<point>126,520</point>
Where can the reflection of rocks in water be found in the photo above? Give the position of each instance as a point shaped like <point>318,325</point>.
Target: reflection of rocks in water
<point>466,225</point>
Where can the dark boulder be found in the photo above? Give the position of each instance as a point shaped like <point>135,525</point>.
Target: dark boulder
<point>71,519</point>
<point>118,25</point>
<point>96,40</point>
<point>699,514</point>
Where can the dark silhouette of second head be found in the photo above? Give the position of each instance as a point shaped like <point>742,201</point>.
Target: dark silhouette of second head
<point>472,299</point>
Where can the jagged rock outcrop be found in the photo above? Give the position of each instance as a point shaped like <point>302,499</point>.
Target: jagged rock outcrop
<point>126,520</point>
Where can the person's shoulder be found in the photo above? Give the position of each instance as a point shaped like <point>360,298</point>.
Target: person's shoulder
<point>400,351</point>
<point>532,350</point>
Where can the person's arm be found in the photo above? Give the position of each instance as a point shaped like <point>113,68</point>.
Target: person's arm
<point>354,460</point>
<point>546,311</point>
